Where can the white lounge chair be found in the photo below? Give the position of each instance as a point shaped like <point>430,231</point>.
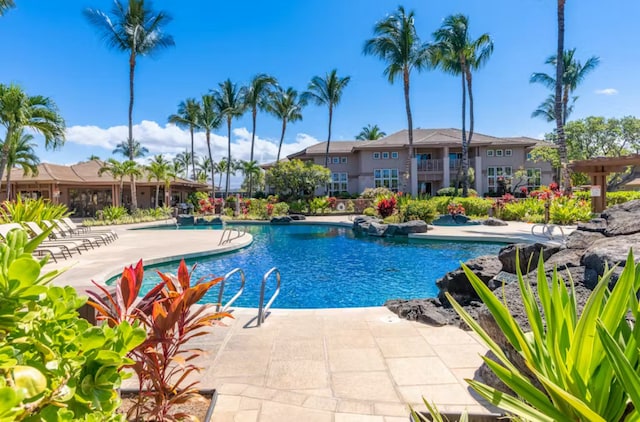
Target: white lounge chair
<point>70,244</point>
<point>59,234</point>
<point>74,228</point>
<point>41,249</point>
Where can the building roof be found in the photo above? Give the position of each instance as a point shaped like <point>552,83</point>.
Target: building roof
<point>335,147</point>
<point>442,137</point>
<point>83,172</point>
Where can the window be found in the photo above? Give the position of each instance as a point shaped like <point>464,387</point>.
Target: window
<point>489,153</point>
<point>336,160</point>
<point>508,153</point>
<point>385,155</point>
<point>339,183</point>
<point>387,178</point>
<point>343,160</point>
<point>498,153</point>
<point>534,177</point>
<point>394,155</point>
<point>529,156</point>
<point>499,179</point>
<point>376,155</point>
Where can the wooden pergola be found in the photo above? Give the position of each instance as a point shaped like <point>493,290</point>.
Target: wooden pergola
<point>598,169</point>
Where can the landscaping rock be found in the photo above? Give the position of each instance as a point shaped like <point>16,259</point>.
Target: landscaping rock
<point>404,229</point>
<point>185,220</point>
<point>457,284</point>
<point>427,311</point>
<point>492,221</point>
<point>215,221</point>
<point>281,220</point>
<point>564,259</point>
<point>595,225</point>
<point>622,219</point>
<point>610,251</point>
<point>376,229</point>
<point>581,239</point>
<point>449,220</point>
<point>507,255</point>
<point>297,217</point>
<point>361,224</point>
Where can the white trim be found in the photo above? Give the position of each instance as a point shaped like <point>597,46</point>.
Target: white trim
<point>489,153</point>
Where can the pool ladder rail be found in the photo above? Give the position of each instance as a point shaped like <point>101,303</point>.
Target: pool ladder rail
<point>230,234</point>
<point>546,230</point>
<point>262,310</point>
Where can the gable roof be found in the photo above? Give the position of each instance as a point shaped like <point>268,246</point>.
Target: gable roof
<point>441,137</point>
<point>335,147</point>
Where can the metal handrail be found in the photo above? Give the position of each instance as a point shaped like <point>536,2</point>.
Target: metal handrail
<point>228,231</point>
<point>547,230</point>
<point>263,311</point>
<point>219,307</point>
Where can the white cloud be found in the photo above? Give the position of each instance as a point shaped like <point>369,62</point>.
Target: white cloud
<point>607,91</point>
<point>171,140</point>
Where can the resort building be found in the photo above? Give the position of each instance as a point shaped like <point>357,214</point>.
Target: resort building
<point>498,164</point>
<point>85,191</point>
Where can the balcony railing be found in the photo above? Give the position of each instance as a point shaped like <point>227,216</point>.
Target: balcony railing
<point>430,165</point>
<point>455,163</point>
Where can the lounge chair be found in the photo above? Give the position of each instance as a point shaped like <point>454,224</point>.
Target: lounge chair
<point>41,249</point>
<point>68,232</point>
<point>74,228</point>
<point>70,244</point>
<point>59,234</point>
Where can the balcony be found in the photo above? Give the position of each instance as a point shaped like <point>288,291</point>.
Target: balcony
<point>430,165</point>
<point>455,163</point>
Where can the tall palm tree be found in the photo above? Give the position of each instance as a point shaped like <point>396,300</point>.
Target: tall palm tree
<point>250,169</point>
<point>157,169</point>
<point>204,170</point>
<point>231,104</point>
<point>287,106</point>
<point>187,116</point>
<point>117,170</point>
<point>256,97</point>
<point>134,28</point>
<point>327,91</point>
<point>23,155</point>
<point>455,52</point>
<point>19,110</point>
<point>565,181</point>
<point>574,73</point>
<point>397,43</point>
<point>181,163</point>
<point>5,5</point>
<point>546,110</point>
<point>128,150</point>
<point>209,119</point>
<point>370,133</point>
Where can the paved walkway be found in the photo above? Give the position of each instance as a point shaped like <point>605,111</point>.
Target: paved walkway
<point>360,364</point>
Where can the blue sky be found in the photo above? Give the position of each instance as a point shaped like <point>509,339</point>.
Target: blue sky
<point>50,49</point>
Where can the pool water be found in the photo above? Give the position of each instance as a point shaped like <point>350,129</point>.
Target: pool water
<point>330,267</point>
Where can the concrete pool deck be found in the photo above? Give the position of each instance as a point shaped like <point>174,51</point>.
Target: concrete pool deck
<point>356,364</point>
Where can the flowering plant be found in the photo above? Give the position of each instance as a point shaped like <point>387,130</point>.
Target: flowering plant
<point>524,190</point>
<point>386,206</point>
<point>269,209</point>
<point>455,209</point>
<point>333,201</point>
<point>205,207</point>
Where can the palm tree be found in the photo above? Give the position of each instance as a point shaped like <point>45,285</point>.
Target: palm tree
<point>209,119</point>
<point>5,5</point>
<point>546,110</point>
<point>397,43</point>
<point>181,163</point>
<point>370,133</point>
<point>455,52</point>
<point>205,170</point>
<point>117,170</point>
<point>137,30</point>
<point>187,116</point>
<point>565,180</point>
<point>157,169</point>
<point>133,171</point>
<point>256,96</point>
<point>23,155</point>
<point>327,90</point>
<point>250,169</point>
<point>221,168</point>
<point>574,73</point>
<point>93,157</point>
<point>231,104</point>
<point>128,150</point>
<point>287,106</point>
<point>19,110</point>
<point>178,168</point>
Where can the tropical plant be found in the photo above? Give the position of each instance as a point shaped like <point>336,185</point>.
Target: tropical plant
<point>55,365</point>
<point>21,111</point>
<point>287,106</point>
<point>230,104</point>
<point>158,169</point>
<point>250,170</point>
<point>138,31</point>
<point>164,361</point>
<point>256,97</point>
<point>566,354</point>
<point>397,43</point>
<point>415,209</point>
<point>21,210</point>
<point>180,164</point>
<point>370,133</point>
<point>296,179</point>
<point>6,5</point>
<point>117,170</point>
<point>205,170</point>
<point>127,150</point>
<point>21,154</point>
<point>546,110</point>
<point>455,52</point>
<point>373,193</point>
<point>209,119</point>
<point>112,214</point>
<point>319,205</point>
<point>188,116</point>
<point>327,91</point>
<point>386,206</point>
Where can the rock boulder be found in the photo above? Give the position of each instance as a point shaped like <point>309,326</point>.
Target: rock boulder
<point>622,219</point>
<point>404,229</point>
<point>281,220</point>
<point>526,251</point>
<point>457,284</point>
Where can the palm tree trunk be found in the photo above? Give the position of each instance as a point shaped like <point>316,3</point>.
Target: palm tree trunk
<point>465,189</point>
<point>132,67</point>
<point>465,149</point>
<point>227,183</point>
<point>4,154</point>
<point>121,191</point>
<point>157,193</point>
<point>407,105</point>
<point>565,104</point>
<point>213,183</point>
<point>254,114</point>
<point>134,198</point>
<point>284,127</point>
<point>8,184</point>
<point>193,154</point>
<point>562,145</point>
<point>326,155</point>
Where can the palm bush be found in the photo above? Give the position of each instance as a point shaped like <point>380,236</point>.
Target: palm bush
<point>31,210</point>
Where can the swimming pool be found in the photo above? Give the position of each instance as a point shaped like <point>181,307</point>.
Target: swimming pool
<point>330,267</point>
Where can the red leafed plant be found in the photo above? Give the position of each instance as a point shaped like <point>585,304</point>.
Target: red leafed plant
<point>163,361</point>
<point>386,206</point>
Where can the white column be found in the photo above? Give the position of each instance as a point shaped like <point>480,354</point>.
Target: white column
<point>478,169</point>
<point>414,176</point>
<point>446,176</point>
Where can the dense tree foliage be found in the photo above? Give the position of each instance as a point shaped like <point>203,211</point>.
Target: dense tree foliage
<point>297,179</point>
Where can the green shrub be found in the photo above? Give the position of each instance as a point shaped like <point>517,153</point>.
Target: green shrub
<point>54,366</point>
<point>568,211</point>
<point>375,193</point>
<point>298,206</point>
<point>475,205</point>
<point>529,210</point>
<point>351,207</point>
<point>22,210</point>
<point>195,197</point>
<point>111,213</point>
<point>418,210</point>
<point>319,204</point>
<point>620,197</point>
<point>454,192</point>
<point>370,211</point>
<point>392,219</point>
<point>280,208</point>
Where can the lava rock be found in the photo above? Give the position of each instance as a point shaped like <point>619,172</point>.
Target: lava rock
<point>281,220</point>
<point>404,229</point>
<point>457,284</point>
<point>297,217</point>
<point>595,225</point>
<point>610,251</point>
<point>361,224</point>
<point>376,229</point>
<point>185,220</point>
<point>581,239</point>
<point>526,251</point>
<point>492,221</point>
<point>622,219</point>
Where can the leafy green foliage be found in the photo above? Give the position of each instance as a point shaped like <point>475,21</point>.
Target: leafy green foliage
<point>163,362</point>
<point>453,191</point>
<point>111,213</point>
<point>53,364</point>
<point>296,179</point>
<point>523,210</point>
<point>375,193</point>
<point>319,205</point>
<point>574,358</point>
<point>418,210</point>
<point>567,211</point>
<point>31,210</point>
<point>370,212</point>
